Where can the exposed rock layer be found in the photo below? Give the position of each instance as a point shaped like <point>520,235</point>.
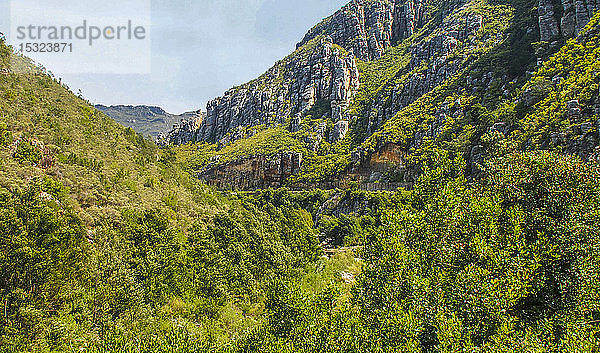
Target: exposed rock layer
<point>292,86</point>
<point>368,28</point>
<point>567,19</point>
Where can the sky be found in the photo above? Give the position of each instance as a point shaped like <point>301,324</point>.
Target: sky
<point>200,49</point>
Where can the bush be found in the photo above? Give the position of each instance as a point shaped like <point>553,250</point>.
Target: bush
<point>27,152</point>
<point>5,135</point>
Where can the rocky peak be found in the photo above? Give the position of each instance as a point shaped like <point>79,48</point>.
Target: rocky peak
<point>319,71</point>
<point>368,28</point>
<point>185,130</point>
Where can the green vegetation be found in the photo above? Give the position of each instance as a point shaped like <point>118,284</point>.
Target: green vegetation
<point>507,263</point>
<point>110,244</point>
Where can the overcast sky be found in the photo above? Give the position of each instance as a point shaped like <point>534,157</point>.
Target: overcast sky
<point>202,48</point>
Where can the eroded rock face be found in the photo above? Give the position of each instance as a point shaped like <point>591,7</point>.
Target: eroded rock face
<point>253,172</point>
<point>287,89</point>
<point>368,28</point>
<point>340,129</point>
<point>575,15</point>
<point>432,62</point>
<point>547,20</point>
<point>186,130</point>
<point>365,28</point>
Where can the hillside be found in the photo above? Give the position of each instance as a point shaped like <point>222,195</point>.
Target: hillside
<point>423,177</point>
<point>101,229</point>
<point>370,89</point>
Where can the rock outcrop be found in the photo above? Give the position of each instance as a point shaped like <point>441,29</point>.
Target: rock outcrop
<point>368,28</point>
<point>322,68</point>
<point>186,130</point>
<point>547,20</point>
<point>567,19</point>
<point>340,129</point>
<point>432,62</point>
<point>253,172</point>
<point>576,14</point>
<point>320,71</point>
<point>428,83</point>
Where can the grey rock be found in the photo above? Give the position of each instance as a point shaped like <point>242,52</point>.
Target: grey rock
<point>573,110</point>
<point>295,125</point>
<point>368,28</point>
<point>548,24</point>
<point>500,127</point>
<point>556,80</point>
<point>315,143</point>
<point>586,127</point>
<point>576,14</point>
<point>557,138</point>
<point>340,129</point>
<point>186,130</point>
<point>289,88</point>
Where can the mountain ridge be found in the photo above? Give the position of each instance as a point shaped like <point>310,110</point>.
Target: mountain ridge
<point>150,121</point>
<point>403,58</point>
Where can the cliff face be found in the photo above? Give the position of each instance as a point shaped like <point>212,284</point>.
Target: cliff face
<point>446,51</point>
<point>368,28</point>
<point>324,67</point>
<point>256,172</point>
<point>317,71</point>
<point>184,130</point>
<point>390,78</point>
<point>566,19</point>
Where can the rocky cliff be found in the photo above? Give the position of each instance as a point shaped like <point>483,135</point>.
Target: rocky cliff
<point>566,18</point>
<point>395,79</point>
<point>368,28</point>
<point>318,71</point>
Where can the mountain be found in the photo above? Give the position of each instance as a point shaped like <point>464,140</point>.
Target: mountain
<point>100,228</point>
<point>486,114</point>
<point>149,121</point>
<point>371,90</point>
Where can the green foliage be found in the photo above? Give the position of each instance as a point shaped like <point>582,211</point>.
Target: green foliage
<point>488,267</point>
<point>5,135</point>
<point>117,247</point>
<point>74,159</point>
<point>27,152</point>
<point>42,251</point>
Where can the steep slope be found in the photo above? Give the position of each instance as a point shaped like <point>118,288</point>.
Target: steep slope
<point>50,132</point>
<point>430,75</point>
<point>100,230</point>
<point>554,109</point>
